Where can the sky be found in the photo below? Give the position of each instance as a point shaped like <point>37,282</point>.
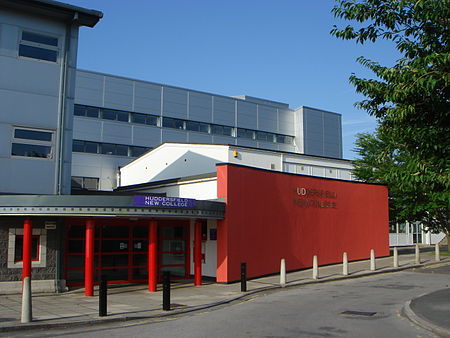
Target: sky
<point>279,50</point>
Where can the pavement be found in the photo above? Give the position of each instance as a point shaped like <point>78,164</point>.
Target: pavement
<point>134,302</point>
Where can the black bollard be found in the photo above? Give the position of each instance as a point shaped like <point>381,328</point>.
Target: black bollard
<point>243,277</point>
<point>103,297</point>
<point>166,290</point>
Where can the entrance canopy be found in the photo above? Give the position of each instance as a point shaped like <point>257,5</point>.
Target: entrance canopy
<point>109,206</point>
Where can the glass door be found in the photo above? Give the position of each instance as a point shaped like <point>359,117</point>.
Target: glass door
<point>173,250</point>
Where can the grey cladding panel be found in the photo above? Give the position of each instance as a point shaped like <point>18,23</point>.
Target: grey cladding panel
<point>286,122</point>
<point>147,98</point>
<point>170,135</point>
<point>87,129</point>
<point>194,137</point>
<point>175,102</point>
<point>224,111</point>
<point>118,93</point>
<point>146,136</point>
<point>200,107</point>
<point>267,119</point>
<point>117,132</point>
<point>246,114</point>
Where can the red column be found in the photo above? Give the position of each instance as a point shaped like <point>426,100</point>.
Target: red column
<point>152,255</point>
<point>89,258</point>
<point>198,254</point>
<point>26,250</point>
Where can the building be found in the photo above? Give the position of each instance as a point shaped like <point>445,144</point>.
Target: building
<point>226,180</point>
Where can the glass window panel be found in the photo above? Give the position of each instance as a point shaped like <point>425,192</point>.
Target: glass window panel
<point>289,140</point>
<point>175,271</point>
<point>137,151</point>
<point>19,248</point>
<point>77,231</point>
<point>38,53</point>
<point>172,123</point>
<point>91,147</point>
<point>204,127</point>
<point>245,133</point>
<point>140,259</point>
<point>172,245</point>
<point>140,231</point>
<point>138,118</point>
<point>140,274</point>
<point>78,146</point>
<point>108,114</point>
<point>114,260</point>
<point>194,126</point>
<point>217,130</point>
<point>121,150</point>
<point>116,274</point>
<point>39,38</point>
<point>75,261</point>
<point>172,232</point>
<point>119,231</point>
<point>33,135</point>
<point>31,150</point>
<point>76,246</point>
<point>76,182</point>
<point>90,183</point>
<point>115,245</point>
<point>173,259</point>
<point>122,116</point>
<point>75,276</point>
<point>228,131</point>
<point>280,138</point>
<point>108,149</point>
<point>92,112</point>
<point>152,120</point>
<point>79,110</point>
<point>140,245</point>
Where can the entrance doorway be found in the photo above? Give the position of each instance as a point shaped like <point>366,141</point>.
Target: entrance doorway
<point>121,251</point>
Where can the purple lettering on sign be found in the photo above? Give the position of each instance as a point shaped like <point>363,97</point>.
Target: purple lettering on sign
<point>165,202</point>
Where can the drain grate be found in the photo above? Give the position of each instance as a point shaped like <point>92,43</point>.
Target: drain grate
<point>358,313</point>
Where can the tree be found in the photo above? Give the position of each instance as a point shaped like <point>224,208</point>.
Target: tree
<point>410,149</point>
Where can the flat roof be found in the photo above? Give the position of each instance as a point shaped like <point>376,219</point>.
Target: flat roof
<point>55,9</point>
<point>103,205</point>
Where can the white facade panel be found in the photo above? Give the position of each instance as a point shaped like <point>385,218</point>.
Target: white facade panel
<point>286,122</point>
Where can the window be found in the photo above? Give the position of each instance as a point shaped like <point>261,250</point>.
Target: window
<point>86,111</point>
<point>38,46</point>
<point>32,143</point>
<point>221,130</point>
<point>284,139</point>
<point>197,126</point>
<point>18,248</point>
<point>263,136</point>
<point>85,147</point>
<point>245,133</point>
<point>144,119</point>
<point>88,183</point>
<point>38,248</point>
<point>136,151</point>
<point>172,123</point>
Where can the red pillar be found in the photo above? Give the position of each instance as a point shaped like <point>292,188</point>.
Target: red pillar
<point>198,254</point>
<point>152,255</point>
<point>89,258</point>
<point>26,250</point>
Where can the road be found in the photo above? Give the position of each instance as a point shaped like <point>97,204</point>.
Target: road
<point>362,307</point>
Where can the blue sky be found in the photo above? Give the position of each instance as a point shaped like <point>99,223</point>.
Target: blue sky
<point>275,49</point>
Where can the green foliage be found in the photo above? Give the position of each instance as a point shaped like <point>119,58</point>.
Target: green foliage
<point>410,151</point>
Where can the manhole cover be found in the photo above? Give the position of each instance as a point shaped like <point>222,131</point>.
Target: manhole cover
<point>358,313</point>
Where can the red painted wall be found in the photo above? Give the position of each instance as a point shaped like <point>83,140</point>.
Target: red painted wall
<point>263,223</point>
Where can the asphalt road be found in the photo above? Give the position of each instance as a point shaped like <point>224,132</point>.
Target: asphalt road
<point>363,307</point>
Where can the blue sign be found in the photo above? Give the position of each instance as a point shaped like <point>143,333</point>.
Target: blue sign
<point>166,202</point>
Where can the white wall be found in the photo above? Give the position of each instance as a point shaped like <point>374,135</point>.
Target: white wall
<point>204,189</point>
<point>209,248</point>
